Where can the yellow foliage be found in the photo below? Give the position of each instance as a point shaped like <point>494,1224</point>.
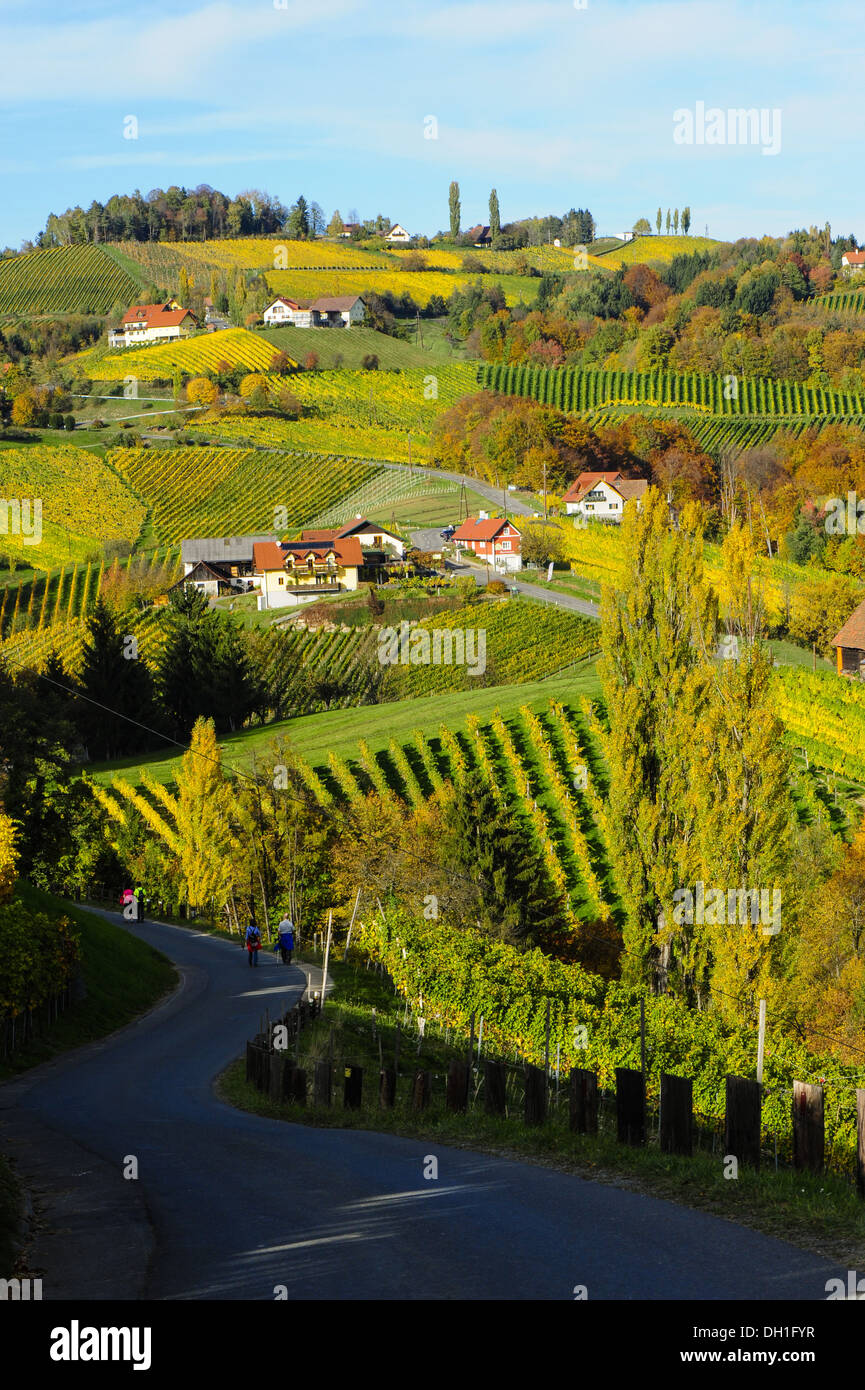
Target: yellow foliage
<point>8,857</point>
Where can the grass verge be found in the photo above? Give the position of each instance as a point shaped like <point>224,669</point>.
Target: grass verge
<point>11,1208</point>
<point>821,1214</point>
<point>122,976</point>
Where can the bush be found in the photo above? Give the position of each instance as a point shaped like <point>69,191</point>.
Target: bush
<point>370,362</point>
<point>496,586</point>
<point>38,957</point>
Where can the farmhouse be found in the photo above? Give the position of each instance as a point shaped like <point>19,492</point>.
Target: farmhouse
<point>296,571</point>
<point>211,580</point>
<point>849,645</point>
<point>852,262</point>
<point>329,311</point>
<point>284,310</point>
<point>371,535</point>
<point>398,233</point>
<point>349,227</point>
<point>227,556</point>
<point>153,323</point>
<point>480,235</point>
<point>602,496</point>
<point>495,539</point>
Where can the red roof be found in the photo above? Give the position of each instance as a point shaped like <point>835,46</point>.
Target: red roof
<point>474,529</point>
<point>854,257</point>
<point>156,315</point>
<point>272,555</point>
<point>852,633</point>
<point>586,482</point>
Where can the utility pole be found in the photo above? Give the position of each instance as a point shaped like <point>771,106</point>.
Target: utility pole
<point>545,489</point>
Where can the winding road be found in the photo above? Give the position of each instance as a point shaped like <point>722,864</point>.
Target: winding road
<point>231,1205</point>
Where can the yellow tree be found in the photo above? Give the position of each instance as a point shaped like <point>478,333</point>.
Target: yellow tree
<point>203,819</point>
<point>8,856</point>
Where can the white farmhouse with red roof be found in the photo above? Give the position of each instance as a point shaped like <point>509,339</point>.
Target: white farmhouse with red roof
<point>284,310</point>
<point>853,261</point>
<point>328,311</point>
<point>602,496</point>
<point>495,539</point>
<point>153,323</point>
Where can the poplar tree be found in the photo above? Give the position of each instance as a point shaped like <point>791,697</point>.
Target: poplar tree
<point>746,815</point>
<point>454,206</point>
<point>495,219</point>
<point>203,822</point>
<point>658,221</point>
<point>654,631</point>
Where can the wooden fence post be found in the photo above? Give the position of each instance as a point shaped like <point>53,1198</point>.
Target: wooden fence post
<point>743,1120</point>
<point>457,1097</point>
<point>808,1128</point>
<point>630,1106</point>
<point>387,1088</point>
<point>677,1114</point>
<point>494,1088</point>
<point>860,1142</point>
<point>321,1083</point>
<point>353,1089</point>
<point>297,1085</point>
<point>277,1074</point>
<point>421,1090</point>
<point>583,1101</point>
<point>535,1110</point>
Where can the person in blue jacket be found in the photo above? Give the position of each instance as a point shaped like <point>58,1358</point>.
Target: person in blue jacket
<point>253,943</point>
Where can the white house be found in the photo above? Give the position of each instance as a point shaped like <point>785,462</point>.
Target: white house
<point>328,311</point>
<point>371,534</point>
<point>398,233</point>
<point>853,262</point>
<point>153,323</point>
<point>287,311</point>
<point>602,496</point>
<point>336,310</point>
<point>496,540</point>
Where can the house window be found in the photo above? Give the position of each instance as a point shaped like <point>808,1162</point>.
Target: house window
<point>280,580</point>
<point>506,545</point>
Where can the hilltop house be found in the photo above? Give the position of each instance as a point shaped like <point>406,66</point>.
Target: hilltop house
<point>398,233</point>
<point>602,496</point>
<point>495,539</point>
<point>153,323</point>
<point>480,235</point>
<point>348,228</point>
<point>328,311</point>
<point>853,262</point>
<point>849,645</point>
<point>297,571</point>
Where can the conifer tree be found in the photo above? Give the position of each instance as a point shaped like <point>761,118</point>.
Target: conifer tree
<point>454,208</point>
<point>495,217</point>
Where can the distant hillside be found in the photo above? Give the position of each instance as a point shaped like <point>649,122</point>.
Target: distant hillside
<point>68,280</point>
<point>646,249</point>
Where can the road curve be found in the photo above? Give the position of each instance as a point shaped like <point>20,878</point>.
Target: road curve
<point>240,1204</point>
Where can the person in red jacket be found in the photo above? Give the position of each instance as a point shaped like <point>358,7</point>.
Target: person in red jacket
<point>253,943</point>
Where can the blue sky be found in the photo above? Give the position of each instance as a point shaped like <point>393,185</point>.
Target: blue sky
<point>553,105</point>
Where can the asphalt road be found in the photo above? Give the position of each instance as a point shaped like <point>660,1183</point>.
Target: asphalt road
<point>240,1204</point>
<point>431,540</point>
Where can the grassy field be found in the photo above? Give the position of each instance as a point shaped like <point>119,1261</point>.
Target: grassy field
<point>421,512</point>
<point>122,976</point>
<point>819,1213</point>
<point>352,345</point>
<point>338,731</point>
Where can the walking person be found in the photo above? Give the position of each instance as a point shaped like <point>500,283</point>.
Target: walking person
<point>285,937</point>
<point>253,943</point>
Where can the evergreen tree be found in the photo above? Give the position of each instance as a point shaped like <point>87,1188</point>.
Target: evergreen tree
<point>668,221</point>
<point>454,207</point>
<point>658,221</point>
<point>486,843</point>
<point>495,220</point>
<point>686,220</point>
<point>676,220</point>
<point>115,683</point>
<point>298,220</point>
